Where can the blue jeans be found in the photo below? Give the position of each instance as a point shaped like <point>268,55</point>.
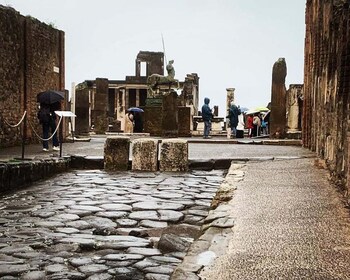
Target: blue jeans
<point>207,127</point>
<point>46,129</point>
<point>233,131</point>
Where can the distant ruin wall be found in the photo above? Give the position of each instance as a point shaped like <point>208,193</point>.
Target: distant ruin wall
<point>31,61</point>
<point>326,127</point>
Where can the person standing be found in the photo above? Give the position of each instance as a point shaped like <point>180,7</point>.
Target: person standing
<point>233,115</point>
<point>47,118</point>
<point>240,126</point>
<point>250,125</point>
<point>207,115</point>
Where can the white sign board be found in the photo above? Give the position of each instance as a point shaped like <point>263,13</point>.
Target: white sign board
<point>65,114</point>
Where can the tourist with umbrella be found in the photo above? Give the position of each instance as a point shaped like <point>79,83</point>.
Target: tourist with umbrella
<point>50,101</point>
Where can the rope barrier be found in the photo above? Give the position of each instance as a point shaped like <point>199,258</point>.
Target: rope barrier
<point>11,125</point>
<point>42,139</point>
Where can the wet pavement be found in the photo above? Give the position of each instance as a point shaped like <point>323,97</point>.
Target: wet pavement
<point>98,225</point>
<point>285,220</point>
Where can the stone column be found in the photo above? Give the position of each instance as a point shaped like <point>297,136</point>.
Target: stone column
<point>292,107</point>
<point>145,154</point>
<point>116,153</point>
<point>277,124</point>
<point>137,97</point>
<point>101,106</point>
<point>173,155</point>
<point>230,96</point>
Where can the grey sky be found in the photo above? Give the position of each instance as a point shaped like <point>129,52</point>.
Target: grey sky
<point>229,43</point>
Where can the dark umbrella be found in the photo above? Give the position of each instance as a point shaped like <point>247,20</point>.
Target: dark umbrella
<point>135,109</point>
<point>50,96</point>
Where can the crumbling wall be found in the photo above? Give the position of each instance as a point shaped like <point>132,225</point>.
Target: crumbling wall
<point>326,128</point>
<point>31,61</point>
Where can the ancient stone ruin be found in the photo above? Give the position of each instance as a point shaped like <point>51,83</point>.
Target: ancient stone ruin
<point>326,116</point>
<point>101,104</point>
<point>277,123</point>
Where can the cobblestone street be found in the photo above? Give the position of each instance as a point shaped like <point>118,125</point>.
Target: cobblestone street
<point>98,225</point>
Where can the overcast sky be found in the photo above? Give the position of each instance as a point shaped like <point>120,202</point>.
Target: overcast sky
<point>228,43</point>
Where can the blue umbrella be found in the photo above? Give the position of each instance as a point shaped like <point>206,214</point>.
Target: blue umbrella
<point>135,109</point>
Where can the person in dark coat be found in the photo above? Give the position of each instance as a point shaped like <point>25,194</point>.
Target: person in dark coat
<point>207,115</point>
<point>233,115</point>
<point>138,123</point>
<point>47,118</point>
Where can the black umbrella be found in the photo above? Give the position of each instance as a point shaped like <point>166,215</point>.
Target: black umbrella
<point>50,96</point>
<point>135,109</point>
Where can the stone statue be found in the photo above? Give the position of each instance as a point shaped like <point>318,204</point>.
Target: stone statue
<point>155,80</point>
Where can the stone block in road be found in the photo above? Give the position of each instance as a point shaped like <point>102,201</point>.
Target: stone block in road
<point>173,155</point>
<point>116,153</point>
<point>145,154</point>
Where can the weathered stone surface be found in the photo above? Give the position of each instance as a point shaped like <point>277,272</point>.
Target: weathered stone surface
<point>172,243</point>
<point>116,153</point>
<point>277,122</point>
<point>76,262</point>
<point>91,269</point>
<point>157,205</point>
<point>145,154</point>
<point>153,224</point>
<point>173,155</point>
<point>326,87</point>
<point>100,276</point>
<point>144,251</point>
<point>154,276</point>
<point>170,215</point>
<point>116,207</point>
<point>34,275</point>
<point>123,257</point>
<point>13,269</point>
<point>55,268</point>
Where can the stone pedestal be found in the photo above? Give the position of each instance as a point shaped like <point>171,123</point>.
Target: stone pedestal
<point>230,96</point>
<point>145,154</point>
<point>173,155</point>
<point>153,116</point>
<point>116,153</point>
<point>170,115</point>
<point>184,122</point>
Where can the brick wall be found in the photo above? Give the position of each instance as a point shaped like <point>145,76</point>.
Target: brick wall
<point>29,52</point>
<point>327,85</point>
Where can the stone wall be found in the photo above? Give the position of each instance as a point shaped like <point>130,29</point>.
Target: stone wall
<point>326,128</point>
<point>31,61</point>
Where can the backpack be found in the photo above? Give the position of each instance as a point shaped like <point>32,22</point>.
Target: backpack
<point>44,115</point>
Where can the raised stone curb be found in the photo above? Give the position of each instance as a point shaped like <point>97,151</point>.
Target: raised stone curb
<point>16,174</point>
<point>116,153</point>
<point>145,154</point>
<point>217,230</point>
<point>173,155</point>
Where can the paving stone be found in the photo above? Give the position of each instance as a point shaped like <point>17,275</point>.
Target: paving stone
<point>144,251</point>
<point>91,269</point>
<point>16,249</point>
<point>86,208</point>
<point>153,224</point>
<point>144,215</point>
<point>65,217</point>
<point>49,224</point>
<point>154,276</point>
<point>162,269</point>
<point>43,214</point>
<point>16,269</point>
<point>34,275</point>
<point>67,230</point>
<point>166,259</point>
<point>157,205</point>
<point>66,275</point>
<point>99,222</point>
<point>81,225</point>
<point>57,260</point>
<point>170,215</point>
<point>102,276</point>
<point>196,212</point>
<point>145,263</point>
<point>225,222</point>
<point>116,207</point>
<point>124,273</point>
<point>111,214</point>
<point>167,195</point>
<point>122,257</point>
<point>54,268</point>
<point>126,222</point>
<point>76,262</point>
<point>172,243</point>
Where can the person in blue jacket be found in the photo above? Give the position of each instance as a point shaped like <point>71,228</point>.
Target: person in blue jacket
<point>207,115</point>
